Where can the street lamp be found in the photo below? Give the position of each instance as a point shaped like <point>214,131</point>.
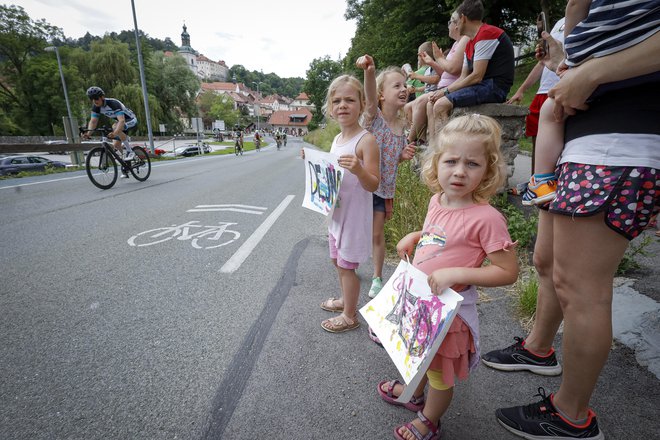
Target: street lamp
<point>257,109</point>
<point>74,157</point>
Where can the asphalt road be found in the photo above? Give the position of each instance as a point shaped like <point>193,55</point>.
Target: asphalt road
<point>102,339</point>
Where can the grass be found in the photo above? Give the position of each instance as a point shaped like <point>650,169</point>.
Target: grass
<point>49,170</point>
<point>322,137</point>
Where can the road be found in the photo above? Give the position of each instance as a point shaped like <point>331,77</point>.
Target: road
<point>107,336</point>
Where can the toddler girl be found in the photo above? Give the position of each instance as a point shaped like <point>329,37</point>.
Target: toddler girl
<point>349,231</point>
<point>464,167</point>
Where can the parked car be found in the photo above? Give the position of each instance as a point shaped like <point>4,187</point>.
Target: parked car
<point>188,150</point>
<point>16,164</point>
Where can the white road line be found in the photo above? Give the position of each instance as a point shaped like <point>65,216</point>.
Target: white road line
<point>43,181</point>
<point>245,211</point>
<point>261,208</point>
<point>246,248</point>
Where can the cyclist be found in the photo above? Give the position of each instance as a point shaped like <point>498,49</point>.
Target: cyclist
<point>114,109</point>
<point>238,135</point>
<point>257,139</point>
<point>284,137</point>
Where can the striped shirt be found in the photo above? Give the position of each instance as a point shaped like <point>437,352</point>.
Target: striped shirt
<point>611,26</point>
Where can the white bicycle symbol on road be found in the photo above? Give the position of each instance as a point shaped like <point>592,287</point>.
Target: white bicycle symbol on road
<point>208,238</point>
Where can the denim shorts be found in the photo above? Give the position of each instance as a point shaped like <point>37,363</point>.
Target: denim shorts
<point>379,203</point>
<point>484,92</point>
<point>628,196</point>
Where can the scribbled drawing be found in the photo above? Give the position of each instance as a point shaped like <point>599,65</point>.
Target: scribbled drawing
<point>322,181</point>
<point>411,322</point>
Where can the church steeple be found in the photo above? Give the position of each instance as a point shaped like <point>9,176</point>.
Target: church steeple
<point>185,37</point>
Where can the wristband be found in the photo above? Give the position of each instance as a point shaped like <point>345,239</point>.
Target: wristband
<point>446,91</point>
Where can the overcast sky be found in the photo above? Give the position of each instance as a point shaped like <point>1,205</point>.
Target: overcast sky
<point>271,36</point>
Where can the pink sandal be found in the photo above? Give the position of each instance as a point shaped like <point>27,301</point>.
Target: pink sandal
<point>415,404</point>
<point>433,434</point>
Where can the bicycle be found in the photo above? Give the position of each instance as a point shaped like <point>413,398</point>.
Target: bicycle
<point>101,162</point>
<point>257,144</point>
<point>238,147</point>
<point>205,237</point>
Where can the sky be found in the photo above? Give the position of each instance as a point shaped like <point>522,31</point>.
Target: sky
<point>282,37</point>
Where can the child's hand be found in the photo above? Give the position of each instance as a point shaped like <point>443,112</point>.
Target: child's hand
<point>350,162</point>
<point>426,57</point>
<point>365,62</point>
<point>406,246</point>
<point>440,279</point>
<point>409,151</point>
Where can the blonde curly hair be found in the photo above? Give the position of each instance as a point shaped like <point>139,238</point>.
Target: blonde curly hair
<point>457,129</point>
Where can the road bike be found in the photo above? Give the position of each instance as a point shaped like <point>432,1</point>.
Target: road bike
<point>238,147</point>
<point>257,144</point>
<point>101,162</point>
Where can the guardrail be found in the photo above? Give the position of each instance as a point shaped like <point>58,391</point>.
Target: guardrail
<point>44,148</point>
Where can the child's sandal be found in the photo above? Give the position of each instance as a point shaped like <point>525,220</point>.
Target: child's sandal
<point>340,324</point>
<point>415,404</point>
<point>433,434</point>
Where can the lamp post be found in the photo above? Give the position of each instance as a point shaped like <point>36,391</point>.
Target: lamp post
<point>74,156</point>
<point>258,108</point>
<point>143,82</point>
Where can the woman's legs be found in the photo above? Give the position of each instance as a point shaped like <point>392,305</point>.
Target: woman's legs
<point>549,140</point>
<point>548,315</point>
<point>586,255</point>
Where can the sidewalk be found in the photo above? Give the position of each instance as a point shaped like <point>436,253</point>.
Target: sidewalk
<point>636,306</point>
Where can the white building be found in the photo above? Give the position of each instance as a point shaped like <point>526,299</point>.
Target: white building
<point>200,65</point>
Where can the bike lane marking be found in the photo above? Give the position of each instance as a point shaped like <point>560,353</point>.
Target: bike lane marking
<point>248,246</point>
<point>247,209</point>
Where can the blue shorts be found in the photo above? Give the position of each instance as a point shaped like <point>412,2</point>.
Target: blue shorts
<point>484,92</point>
<point>379,203</point>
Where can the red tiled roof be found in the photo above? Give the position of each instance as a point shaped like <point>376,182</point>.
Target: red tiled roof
<point>282,117</point>
<point>302,97</point>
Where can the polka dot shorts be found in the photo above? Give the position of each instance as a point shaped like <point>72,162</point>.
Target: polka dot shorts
<point>629,196</point>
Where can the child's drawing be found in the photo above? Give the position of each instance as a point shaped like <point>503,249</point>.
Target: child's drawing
<point>411,322</point>
<point>322,181</point>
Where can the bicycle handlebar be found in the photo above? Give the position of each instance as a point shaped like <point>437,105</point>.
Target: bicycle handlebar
<point>105,130</point>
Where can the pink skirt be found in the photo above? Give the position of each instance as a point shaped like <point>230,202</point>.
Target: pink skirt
<point>453,356</point>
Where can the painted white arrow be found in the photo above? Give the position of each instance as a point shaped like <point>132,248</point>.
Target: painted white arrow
<point>247,209</point>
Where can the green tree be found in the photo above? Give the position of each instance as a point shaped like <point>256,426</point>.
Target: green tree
<point>175,86</point>
<point>21,40</point>
<point>223,110</point>
<point>319,76</point>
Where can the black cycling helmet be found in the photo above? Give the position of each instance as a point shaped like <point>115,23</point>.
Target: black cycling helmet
<point>95,92</point>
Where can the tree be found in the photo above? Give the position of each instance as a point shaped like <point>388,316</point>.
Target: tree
<point>223,109</point>
<point>21,39</point>
<point>319,76</point>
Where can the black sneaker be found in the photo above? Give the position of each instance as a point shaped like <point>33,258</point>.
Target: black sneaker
<point>517,358</point>
<point>541,420</point>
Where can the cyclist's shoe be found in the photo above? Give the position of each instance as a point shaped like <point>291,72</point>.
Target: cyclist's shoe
<point>542,420</point>
<point>539,192</point>
<point>376,285</point>
<point>129,155</point>
<point>124,175</point>
<point>517,358</point>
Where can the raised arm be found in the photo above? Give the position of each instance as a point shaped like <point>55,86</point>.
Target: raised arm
<point>366,63</point>
<point>455,64</point>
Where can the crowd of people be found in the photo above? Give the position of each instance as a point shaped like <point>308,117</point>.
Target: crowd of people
<point>595,180</point>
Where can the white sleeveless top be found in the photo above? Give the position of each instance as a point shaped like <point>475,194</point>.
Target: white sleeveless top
<point>352,220</point>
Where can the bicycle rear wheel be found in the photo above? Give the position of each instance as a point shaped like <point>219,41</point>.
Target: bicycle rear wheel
<point>236,149</point>
<point>101,168</point>
<point>141,164</point>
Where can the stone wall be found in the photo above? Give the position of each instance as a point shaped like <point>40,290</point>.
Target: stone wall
<point>512,120</point>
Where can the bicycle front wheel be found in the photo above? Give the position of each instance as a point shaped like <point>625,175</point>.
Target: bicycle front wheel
<point>141,165</point>
<point>236,149</point>
<point>101,168</point>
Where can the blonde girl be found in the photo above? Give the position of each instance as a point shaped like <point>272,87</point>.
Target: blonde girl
<point>386,97</point>
<point>464,168</point>
<point>351,223</point>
